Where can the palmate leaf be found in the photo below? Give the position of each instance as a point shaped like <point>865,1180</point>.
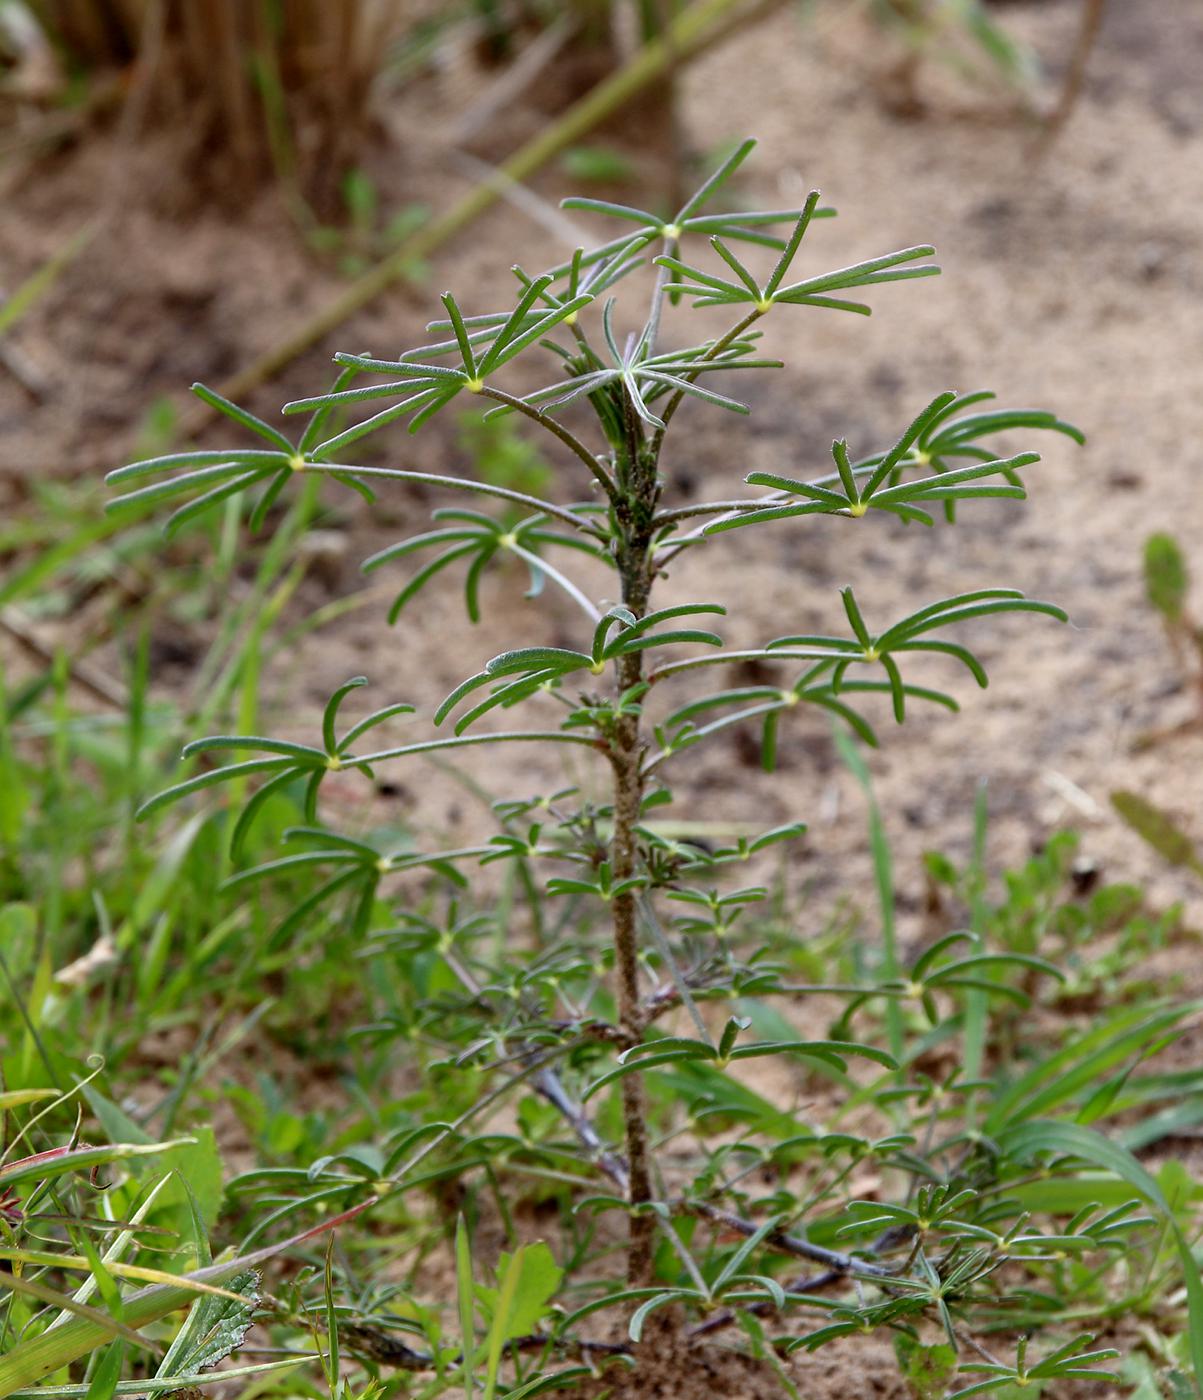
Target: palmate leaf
<point>358,870</point>
<point>583,278</point>
<point>655,375</point>
<point>950,434</point>
<point>909,635</point>
<point>936,970</point>
<point>285,762</point>
<point>210,477</point>
<point>645,377</point>
<point>604,887</point>
<point>936,1208</point>
<point>745,848</point>
<point>812,687</point>
<point>843,494</point>
<point>743,226</point>
<point>538,667</point>
<point>1065,1362</point>
<point>932,443</point>
<point>478,538</point>
<point>722,911</point>
<point>825,681</point>
<point>422,389</point>
<point>708,289</point>
<point>669,1050</point>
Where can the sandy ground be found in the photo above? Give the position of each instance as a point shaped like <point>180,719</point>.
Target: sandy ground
<point>1070,282</point>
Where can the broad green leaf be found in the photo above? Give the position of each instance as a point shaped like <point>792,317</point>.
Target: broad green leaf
<point>538,1276</point>
<point>33,1359</point>
<point>926,1369</point>
<point>214,1328</point>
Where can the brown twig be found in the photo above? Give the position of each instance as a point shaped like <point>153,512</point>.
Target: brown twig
<point>24,372</point>
<point>805,1283</point>
<point>784,1242</point>
<point>385,1349</point>
<point>534,59</point>
<point>1075,78</point>
<point>100,686</point>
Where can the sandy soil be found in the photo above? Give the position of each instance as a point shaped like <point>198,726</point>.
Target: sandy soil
<point>1070,282</point>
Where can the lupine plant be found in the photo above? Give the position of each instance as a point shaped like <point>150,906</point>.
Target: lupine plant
<point>625,999</point>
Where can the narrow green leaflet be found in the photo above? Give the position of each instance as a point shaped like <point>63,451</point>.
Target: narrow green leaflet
<point>1031,1139</point>
<point>284,762</point>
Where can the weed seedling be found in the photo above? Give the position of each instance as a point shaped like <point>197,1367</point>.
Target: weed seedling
<point>628,1028</point>
<point>1167,586</point>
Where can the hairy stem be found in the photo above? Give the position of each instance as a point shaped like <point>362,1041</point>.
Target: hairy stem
<point>557,429</point>
<point>785,1242</point>
<point>633,516</point>
<point>628,793</point>
<point>459,483</point>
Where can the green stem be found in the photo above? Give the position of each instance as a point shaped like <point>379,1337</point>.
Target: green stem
<point>667,517</point>
<point>561,580</point>
<point>553,736</point>
<point>726,658</point>
<point>459,483</point>
<point>536,415</point>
